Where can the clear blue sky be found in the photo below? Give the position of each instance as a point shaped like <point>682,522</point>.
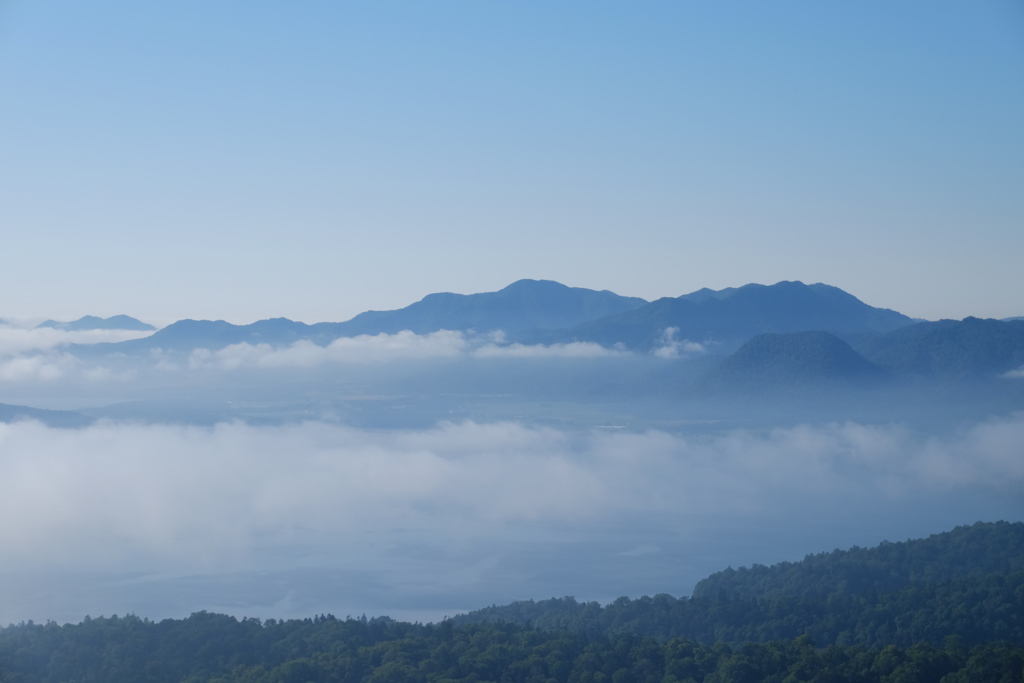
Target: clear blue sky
<point>244,160</point>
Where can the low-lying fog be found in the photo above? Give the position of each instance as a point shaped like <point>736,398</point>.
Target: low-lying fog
<point>419,476</point>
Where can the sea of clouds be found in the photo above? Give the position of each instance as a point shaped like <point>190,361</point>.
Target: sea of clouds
<point>454,516</point>
<point>130,496</point>
<point>32,355</point>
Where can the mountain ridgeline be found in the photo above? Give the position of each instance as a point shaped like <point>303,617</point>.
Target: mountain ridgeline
<point>731,316</point>
<point>968,582</point>
<point>549,312</point>
<point>522,306</point>
<point>92,322</point>
<point>763,338</point>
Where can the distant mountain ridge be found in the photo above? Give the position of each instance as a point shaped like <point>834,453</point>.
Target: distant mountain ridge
<point>92,322</point>
<point>783,338</point>
<point>543,311</point>
<point>731,316</point>
<point>523,305</point>
<point>185,335</point>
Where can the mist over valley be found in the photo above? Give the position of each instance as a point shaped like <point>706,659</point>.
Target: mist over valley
<point>478,449</point>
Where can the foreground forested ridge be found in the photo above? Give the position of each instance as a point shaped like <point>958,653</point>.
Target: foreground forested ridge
<point>210,647</point>
<point>968,582</point>
<point>947,608</point>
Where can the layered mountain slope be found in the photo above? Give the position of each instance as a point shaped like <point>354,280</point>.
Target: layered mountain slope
<point>950,348</point>
<point>729,317</point>
<point>185,335</point>
<point>771,362</point>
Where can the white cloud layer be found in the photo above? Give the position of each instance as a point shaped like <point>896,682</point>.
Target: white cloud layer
<point>37,355</point>
<point>571,350</point>
<point>18,340</point>
<point>115,494</point>
<point>48,367</point>
<point>362,349</point>
<point>30,355</point>
<point>39,367</point>
<point>386,347</point>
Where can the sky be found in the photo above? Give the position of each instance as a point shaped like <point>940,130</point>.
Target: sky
<point>245,160</point>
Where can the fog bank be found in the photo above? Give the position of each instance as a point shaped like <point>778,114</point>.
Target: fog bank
<point>459,515</point>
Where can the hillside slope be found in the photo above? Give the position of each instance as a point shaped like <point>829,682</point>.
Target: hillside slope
<point>770,363</point>
<point>971,346</point>
<point>968,582</point>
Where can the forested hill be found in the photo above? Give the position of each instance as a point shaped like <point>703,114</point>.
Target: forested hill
<point>945,609</point>
<point>967,551</point>
<point>967,582</point>
<point>773,363</point>
<point>212,648</point>
<point>950,348</point>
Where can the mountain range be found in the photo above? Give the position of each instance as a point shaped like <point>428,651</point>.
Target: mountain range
<point>92,322</point>
<point>542,311</point>
<point>523,305</point>
<point>789,334</point>
<point>729,317</point>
